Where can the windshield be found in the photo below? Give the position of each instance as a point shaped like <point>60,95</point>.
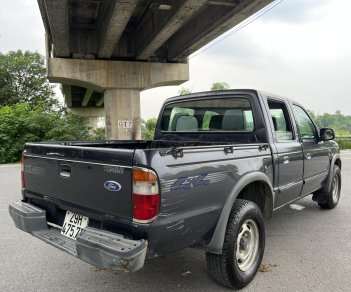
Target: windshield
<point>216,114</point>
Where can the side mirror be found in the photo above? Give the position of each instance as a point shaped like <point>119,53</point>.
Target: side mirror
<point>326,134</point>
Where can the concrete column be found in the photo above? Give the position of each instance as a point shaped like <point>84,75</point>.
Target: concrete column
<point>122,110</point>
<point>92,115</point>
<point>92,123</point>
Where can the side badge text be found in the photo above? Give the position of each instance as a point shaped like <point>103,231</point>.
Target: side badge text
<point>184,183</point>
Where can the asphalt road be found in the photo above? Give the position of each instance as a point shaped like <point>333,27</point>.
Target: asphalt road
<point>306,250</point>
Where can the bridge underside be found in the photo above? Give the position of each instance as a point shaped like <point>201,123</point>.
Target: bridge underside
<point>141,31</point>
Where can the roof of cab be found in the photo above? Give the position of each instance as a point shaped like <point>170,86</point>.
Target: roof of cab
<point>212,93</point>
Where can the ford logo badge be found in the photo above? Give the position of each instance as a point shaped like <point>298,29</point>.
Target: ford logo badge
<point>112,186</point>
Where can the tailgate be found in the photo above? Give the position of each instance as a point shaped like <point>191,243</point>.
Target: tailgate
<point>82,177</point>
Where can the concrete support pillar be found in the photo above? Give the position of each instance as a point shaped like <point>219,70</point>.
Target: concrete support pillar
<point>121,83</point>
<point>122,110</point>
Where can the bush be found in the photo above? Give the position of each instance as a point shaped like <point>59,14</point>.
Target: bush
<point>21,123</point>
<point>67,127</point>
<point>97,134</point>
<point>344,143</point>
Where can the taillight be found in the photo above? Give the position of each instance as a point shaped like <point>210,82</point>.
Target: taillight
<point>22,172</point>
<point>146,199</point>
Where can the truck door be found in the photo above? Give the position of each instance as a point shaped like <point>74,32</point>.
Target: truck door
<point>316,153</point>
<point>290,160</point>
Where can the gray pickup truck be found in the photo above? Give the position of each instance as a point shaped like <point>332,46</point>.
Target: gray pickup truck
<point>220,163</point>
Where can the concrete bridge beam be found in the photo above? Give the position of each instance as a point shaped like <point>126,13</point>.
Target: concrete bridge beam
<point>121,83</point>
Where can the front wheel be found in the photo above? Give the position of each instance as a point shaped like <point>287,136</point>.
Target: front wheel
<point>242,249</point>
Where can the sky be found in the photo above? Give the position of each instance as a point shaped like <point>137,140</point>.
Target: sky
<point>300,49</point>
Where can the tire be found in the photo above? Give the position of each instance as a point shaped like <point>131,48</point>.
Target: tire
<point>243,247</point>
<point>331,198</point>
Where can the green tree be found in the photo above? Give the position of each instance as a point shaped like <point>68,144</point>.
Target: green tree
<point>340,123</point>
<point>148,128</point>
<point>312,114</point>
<point>337,121</point>
<point>184,91</point>
<point>219,86</point>
<point>23,79</point>
<point>29,111</point>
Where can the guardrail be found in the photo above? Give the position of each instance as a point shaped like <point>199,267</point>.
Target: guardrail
<point>344,141</point>
<point>342,137</point>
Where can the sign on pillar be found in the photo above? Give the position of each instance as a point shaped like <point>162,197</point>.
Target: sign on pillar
<point>125,124</point>
<point>126,127</point>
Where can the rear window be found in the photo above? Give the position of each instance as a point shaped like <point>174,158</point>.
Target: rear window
<point>218,114</point>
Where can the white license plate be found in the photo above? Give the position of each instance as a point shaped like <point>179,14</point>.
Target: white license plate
<point>73,224</point>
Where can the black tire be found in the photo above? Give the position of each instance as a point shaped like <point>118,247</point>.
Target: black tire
<point>245,224</point>
<point>331,198</point>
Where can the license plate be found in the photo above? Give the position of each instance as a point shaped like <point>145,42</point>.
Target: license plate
<point>73,224</point>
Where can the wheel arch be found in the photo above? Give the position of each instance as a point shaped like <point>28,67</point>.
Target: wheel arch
<point>336,160</point>
<point>264,198</point>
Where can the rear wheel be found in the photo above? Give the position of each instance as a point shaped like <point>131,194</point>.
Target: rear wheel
<point>242,249</point>
<point>331,198</point>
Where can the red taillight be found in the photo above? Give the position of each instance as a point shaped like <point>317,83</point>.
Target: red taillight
<point>145,207</point>
<point>22,172</point>
<point>146,199</point>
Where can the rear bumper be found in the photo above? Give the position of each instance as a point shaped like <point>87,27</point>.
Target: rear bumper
<point>97,247</point>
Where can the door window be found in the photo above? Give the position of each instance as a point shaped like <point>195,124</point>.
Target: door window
<point>306,127</point>
<point>281,121</point>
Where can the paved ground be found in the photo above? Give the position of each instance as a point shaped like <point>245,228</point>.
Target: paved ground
<point>306,250</point>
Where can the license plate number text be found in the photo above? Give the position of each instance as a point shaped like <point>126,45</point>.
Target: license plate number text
<point>73,224</point>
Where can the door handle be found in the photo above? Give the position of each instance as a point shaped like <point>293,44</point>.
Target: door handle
<point>65,171</point>
<point>308,156</point>
<point>286,159</point>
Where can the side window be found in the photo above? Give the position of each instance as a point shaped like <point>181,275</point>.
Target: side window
<point>281,121</point>
<point>306,127</point>
<point>232,114</point>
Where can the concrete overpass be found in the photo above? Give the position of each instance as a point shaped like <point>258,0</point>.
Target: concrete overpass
<point>104,52</point>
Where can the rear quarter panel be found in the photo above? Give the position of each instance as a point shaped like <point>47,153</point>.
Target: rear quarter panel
<point>194,189</point>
